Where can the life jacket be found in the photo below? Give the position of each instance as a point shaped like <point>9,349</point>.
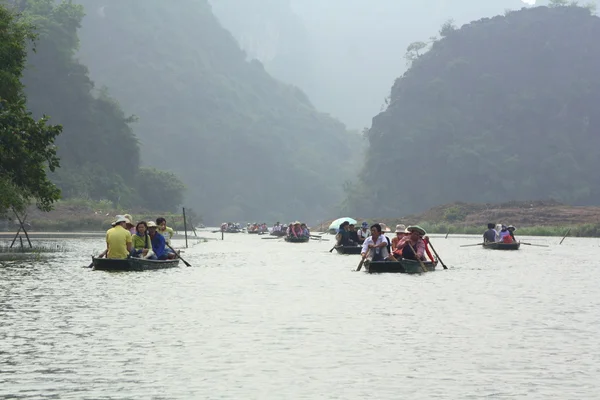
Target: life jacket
<point>507,239</point>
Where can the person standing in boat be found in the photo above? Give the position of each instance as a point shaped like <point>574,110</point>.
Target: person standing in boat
<point>491,235</point>
<point>375,246</point>
<point>363,233</point>
<point>413,241</point>
<point>118,240</point>
<point>158,242</point>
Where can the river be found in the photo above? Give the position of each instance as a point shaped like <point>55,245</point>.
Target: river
<point>266,319</point>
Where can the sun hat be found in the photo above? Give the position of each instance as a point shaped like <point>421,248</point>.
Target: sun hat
<point>128,216</point>
<point>416,228</point>
<point>152,224</point>
<point>511,227</point>
<point>365,225</point>
<point>120,219</point>
<point>400,228</point>
<point>297,223</point>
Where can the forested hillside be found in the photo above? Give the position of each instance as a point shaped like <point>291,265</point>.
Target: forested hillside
<point>500,109</point>
<point>99,154</point>
<point>344,53</point>
<point>246,145</point>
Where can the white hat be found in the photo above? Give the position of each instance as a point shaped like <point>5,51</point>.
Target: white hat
<point>121,218</point>
<point>151,224</point>
<point>400,228</point>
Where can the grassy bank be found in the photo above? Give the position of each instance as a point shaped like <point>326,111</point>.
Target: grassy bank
<point>80,215</point>
<point>584,230</point>
<point>17,253</point>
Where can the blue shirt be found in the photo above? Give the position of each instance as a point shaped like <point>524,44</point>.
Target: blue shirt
<point>158,245</point>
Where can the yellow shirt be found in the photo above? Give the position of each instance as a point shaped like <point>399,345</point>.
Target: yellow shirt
<point>116,240</point>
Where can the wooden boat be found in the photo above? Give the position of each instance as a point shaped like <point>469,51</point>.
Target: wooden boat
<point>403,266</point>
<point>348,249</point>
<point>278,233</point>
<point>132,264</point>
<point>301,239</point>
<point>502,246</point>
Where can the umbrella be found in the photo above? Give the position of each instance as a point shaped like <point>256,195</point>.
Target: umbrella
<point>336,224</point>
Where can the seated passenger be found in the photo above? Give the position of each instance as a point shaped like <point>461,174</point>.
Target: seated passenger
<point>413,241</point>
<point>158,244</point>
<point>363,233</point>
<point>505,235</point>
<point>490,236</point>
<point>141,241</point>
<point>353,235</point>
<point>375,247</point>
<point>400,232</point>
<point>305,231</point>
<point>511,230</point>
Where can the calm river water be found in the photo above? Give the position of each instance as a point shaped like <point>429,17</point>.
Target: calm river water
<point>265,319</point>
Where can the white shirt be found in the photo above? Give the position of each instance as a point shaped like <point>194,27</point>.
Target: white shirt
<point>370,252</point>
<point>362,234</point>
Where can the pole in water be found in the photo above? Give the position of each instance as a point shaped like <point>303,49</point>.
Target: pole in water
<point>563,239</point>
<point>185,228</point>
<point>222,234</point>
<point>21,240</point>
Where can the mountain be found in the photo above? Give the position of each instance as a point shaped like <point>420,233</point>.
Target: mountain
<point>344,53</point>
<point>99,153</point>
<point>247,145</point>
<point>500,109</point>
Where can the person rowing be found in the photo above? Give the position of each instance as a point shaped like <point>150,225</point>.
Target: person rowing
<point>415,242</point>
<point>375,246</point>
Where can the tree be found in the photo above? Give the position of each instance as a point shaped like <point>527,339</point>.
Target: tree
<point>159,190</point>
<point>26,146</point>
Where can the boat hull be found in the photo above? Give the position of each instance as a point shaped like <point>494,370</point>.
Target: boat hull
<point>502,246</point>
<point>296,240</point>
<point>402,266</point>
<point>132,264</point>
<point>278,233</point>
<point>348,249</point>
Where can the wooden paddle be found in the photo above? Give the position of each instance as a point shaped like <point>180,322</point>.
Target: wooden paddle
<point>100,256</point>
<point>187,264</point>
<point>566,234</point>
<point>469,245</point>
<point>531,244</point>
<point>272,238</point>
<point>362,261</point>
<point>417,257</point>
<point>437,255</point>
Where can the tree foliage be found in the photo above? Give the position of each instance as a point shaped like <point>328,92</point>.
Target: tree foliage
<point>159,189</point>
<point>246,145</point>
<point>26,145</point>
<point>501,109</point>
<point>99,152</point>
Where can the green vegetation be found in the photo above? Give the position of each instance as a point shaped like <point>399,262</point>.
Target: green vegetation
<point>98,151</point>
<point>500,109</point>
<point>247,146</point>
<point>26,145</point>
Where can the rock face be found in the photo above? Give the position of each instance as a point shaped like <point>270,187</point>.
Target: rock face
<point>248,146</point>
<point>500,109</point>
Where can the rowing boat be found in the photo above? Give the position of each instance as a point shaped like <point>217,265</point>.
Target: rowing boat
<point>301,239</point>
<point>278,233</point>
<point>403,266</point>
<point>348,249</point>
<point>132,264</point>
<point>502,246</point>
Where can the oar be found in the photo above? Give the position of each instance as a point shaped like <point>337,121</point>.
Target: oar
<point>272,238</point>
<point>333,248</point>
<point>565,236</point>
<point>100,256</point>
<point>187,264</point>
<point>531,244</point>
<point>362,261</point>
<point>469,245</point>
<point>437,255</point>
<point>447,234</point>
<point>417,257</point>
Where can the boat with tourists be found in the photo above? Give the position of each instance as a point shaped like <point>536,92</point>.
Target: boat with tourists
<point>132,264</point>
<point>301,239</point>
<point>501,245</point>
<point>402,266</point>
<point>297,232</point>
<point>350,249</point>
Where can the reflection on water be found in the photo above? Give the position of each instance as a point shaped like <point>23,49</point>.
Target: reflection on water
<point>267,319</point>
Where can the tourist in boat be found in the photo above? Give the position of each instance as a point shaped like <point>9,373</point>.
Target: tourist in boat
<point>352,234</point>
<point>400,232</point>
<point>141,241</point>
<point>363,233</point>
<point>130,225</point>
<point>164,230</point>
<point>511,230</point>
<point>305,230</point>
<point>158,242</point>
<point>491,235</point>
<point>375,247</point>
<point>277,227</point>
<point>412,241</point>
<point>505,235</point>
<point>118,239</point>
<point>295,230</point>
<point>343,235</point>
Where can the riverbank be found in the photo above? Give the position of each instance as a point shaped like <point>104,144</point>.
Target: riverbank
<point>88,216</point>
<point>535,218</point>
